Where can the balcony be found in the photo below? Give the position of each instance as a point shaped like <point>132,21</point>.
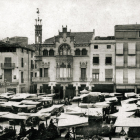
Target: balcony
<point>40,79</point>
<point>67,79</point>
<point>84,79</point>
<point>38,58</point>
<point>7,65</point>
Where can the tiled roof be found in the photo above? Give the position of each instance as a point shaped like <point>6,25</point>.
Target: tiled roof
<point>80,37</point>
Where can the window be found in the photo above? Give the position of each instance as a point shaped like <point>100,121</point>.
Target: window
<point>119,61</point>
<point>95,60</point>
<point>35,74</point>
<point>83,73</point>
<point>40,72</point>
<point>84,52</point>
<point>139,33</point>
<point>108,60</point>
<point>14,77</point>
<point>64,49</point>
<point>31,54</point>
<point>22,63</point>
<point>77,52</point>
<point>22,80</point>
<point>32,65</point>
<point>95,46</point>
<point>108,75</point>
<point>95,75</point>
<point>22,50</point>
<point>0,76</point>
<point>119,48</point>
<point>35,65</point>
<point>51,52</point>
<point>65,71</point>
<point>45,72</point>
<point>31,76</point>
<point>108,46</point>
<point>45,52</point>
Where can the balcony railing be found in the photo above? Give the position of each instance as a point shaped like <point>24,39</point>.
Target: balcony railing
<point>40,79</point>
<point>65,79</point>
<point>7,65</point>
<point>83,79</point>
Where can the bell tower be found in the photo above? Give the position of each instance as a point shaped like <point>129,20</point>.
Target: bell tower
<point>38,29</point>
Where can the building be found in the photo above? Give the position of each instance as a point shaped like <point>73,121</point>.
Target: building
<point>102,64</point>
<point>22,41</point>
<point>63,63</point>
<point>127,58</point>
<point>15,67</point>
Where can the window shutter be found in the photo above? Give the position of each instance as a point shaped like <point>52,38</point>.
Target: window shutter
<point>108,73</point>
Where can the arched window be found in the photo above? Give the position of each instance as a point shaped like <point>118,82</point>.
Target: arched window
<point>45,52</point>
<point>51,52</point>
<point>84,52</point>
<point>64,49</point>
<point>77,52</point>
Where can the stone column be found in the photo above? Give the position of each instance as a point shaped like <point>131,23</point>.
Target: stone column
<point>51,89</point>
<point>76,90</point>
<point>64,90</point>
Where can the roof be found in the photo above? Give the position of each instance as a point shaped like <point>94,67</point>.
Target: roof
<point>13,45</point>
<point>80,37</point>
<point>105,38</point>
<point>128,27</point>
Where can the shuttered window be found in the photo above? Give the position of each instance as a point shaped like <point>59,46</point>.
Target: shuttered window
<point>119,48</point>
<point>119,60</point>
<point>45,72</point>
<point>83,73</point>
<point>131,76</point>
<point>131,48</point>
<point>119,76</point>
<point>131,61</point>
<point>108,74</point>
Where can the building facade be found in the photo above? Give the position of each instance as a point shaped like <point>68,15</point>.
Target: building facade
<point>63,63</point>
<point>127,58</point>
<point>15,68</point>
<point>102,64</point>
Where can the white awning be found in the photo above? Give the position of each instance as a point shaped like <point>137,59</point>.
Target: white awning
<point>127,122</point>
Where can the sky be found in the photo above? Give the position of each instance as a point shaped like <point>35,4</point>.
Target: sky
<point>17,17</point>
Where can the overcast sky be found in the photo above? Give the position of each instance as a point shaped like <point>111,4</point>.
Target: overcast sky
<point>17,17</point>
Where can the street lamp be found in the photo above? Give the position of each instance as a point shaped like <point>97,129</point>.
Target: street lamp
<point>5,84</point>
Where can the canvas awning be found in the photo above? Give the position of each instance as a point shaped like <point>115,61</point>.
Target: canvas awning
<point>108,73</point>
<point>127,122</point>
<point>130,94</point>
<point>66,121</point>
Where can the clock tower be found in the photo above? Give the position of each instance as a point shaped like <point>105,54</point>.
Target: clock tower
<point>38,29</point>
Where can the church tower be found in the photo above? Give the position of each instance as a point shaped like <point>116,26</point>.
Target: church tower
<point>38,30</point>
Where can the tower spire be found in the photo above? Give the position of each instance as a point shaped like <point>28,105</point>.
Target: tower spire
<point>38,29</point>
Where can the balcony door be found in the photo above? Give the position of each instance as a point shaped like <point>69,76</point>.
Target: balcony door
<point>8,75</point>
